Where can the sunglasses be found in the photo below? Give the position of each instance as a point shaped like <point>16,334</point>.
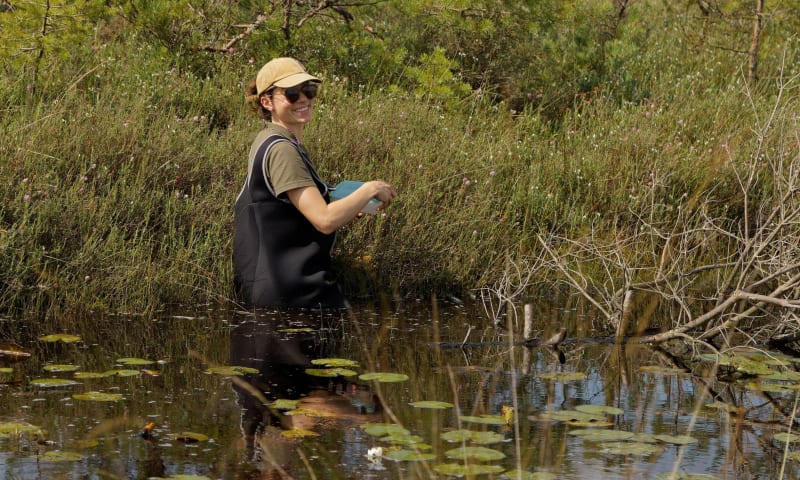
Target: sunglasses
<point>292,94</point>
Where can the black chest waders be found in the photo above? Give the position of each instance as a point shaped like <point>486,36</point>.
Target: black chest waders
<point>279,259</point>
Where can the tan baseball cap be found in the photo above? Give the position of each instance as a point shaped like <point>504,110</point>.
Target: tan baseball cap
<point>282,72</point>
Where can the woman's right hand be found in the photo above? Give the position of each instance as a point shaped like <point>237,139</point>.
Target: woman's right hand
<point>382,191</point>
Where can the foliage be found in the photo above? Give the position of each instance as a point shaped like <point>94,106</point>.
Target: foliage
<point>122,132</point>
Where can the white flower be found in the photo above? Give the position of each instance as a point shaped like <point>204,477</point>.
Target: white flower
<point>374,453</point>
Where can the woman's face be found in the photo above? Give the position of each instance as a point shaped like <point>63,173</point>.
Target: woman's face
<point>292,106</point>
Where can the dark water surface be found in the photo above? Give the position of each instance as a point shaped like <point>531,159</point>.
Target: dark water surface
<point>180,396</point>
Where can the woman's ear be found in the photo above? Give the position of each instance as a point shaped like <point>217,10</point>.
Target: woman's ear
<point>266,102</point>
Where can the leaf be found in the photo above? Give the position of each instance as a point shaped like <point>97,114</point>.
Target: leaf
<point>134,361</point>
<point>599,435</point>
<point>484,419</point>
<point>408,456</point>
<point>676,439</point>
<point>60,368</point>
<point>189,437</point>
<point>231,371</point>
<point>284,404</point>
<point>98,396</point>
<point>599,410</point>
<point>786,437</point>
<point>60,456</point>
<point>384,377</point>
<point>60,337</point>
<point>17,428</point>
<point>88,375</point>
<point>461,470</point>
<point>382,429</point>
<point>433,404</point>
<point>334,362</point>
<point>481,454</point>
<point>53,382</point>
<point>629,448</point>
<point>563,376</point>
<point>331,372</point>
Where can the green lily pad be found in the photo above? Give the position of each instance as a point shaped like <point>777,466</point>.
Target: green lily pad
<point>123,372</point>
<point>189,437</point>
<point>523,475</point>
<point>406,439</point>
<point>786,437</point>
<point>331,372</point>
<point>334,362</point>
<point>90,375</point>
<point>629,448</point>
<point>309,412</point>
<point>600,435</point>
<point>298,433</point>
<point>60,337</point>
<point>563,376</point>
<point>431,404</point>
<point>383,429</point>
<point>284,404</point>
<point>685,476</point>
<point>6,370</point>
<point>60,368</point>
<point>53,382</point>
<point>481,438</point>
<point>408,456</point>
<point>484,419</point>
<point>134,361</point>
<point>599,409</point>
<point>481,454</point>
<point>384,377</point>
<point>19,428</point>
<point>98,396</point>
<point>676,439</point>
<point>461,470</point>
<point>60,456</point>
<point>573,416</point>
<point>231,371</point>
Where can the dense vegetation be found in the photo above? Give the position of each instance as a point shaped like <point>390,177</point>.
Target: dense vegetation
<point>123,133</point>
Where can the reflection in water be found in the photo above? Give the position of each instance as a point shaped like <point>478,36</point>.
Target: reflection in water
<point>281,347</point>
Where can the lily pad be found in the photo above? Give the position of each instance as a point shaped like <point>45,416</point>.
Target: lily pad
<point>60,368</point>
<point>60,337</point>
<point>431,404</point>
<point>599,409</point>
<point>89,375</point>
<point>6,370</point>
<point>574,416</point>
<point>189,437</point>
<point>786,437</point>
<point>331,372</point>
<point>309,412</point>
<point>676,439</point>
<point>409,456</point>
<point>523,475</point>
<point>481,454</point>
<point>334,362</point>
<point>685,476</point>
<point>787,376</point>
<point>659,370</point>
<point>600,435</point>
<point>98,396</point>
<point>19,428</point>
<point>298,433</point>
<point>461,470</point>
<point>563,376</point>
<point>231,371</point>
<point>384,377</point>
<point>481,438</point>
<point>406,439</point>
<point>284,404</point>
<point>53,382</point>
<point>296,330</point>
<point>484,419</point>
<point>60,456</point>
<point>124,372</point>
<point>134,361</point>
<point>382,429</point>
<point>629,448</point>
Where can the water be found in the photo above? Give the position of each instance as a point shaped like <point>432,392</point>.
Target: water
<point>180,396</point>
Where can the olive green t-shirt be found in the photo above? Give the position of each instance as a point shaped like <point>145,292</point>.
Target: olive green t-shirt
<point>284,167</point>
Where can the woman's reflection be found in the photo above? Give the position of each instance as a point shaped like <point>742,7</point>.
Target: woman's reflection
<point>281,347</point>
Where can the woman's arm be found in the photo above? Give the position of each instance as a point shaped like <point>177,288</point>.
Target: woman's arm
<point>327,217</point>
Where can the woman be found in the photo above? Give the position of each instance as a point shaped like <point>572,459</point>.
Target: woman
<point>285,224</point>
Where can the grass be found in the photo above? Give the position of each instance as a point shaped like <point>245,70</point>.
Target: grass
<point>118,186</point>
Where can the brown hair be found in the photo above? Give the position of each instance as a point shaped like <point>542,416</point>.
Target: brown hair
<point>254,100</point>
